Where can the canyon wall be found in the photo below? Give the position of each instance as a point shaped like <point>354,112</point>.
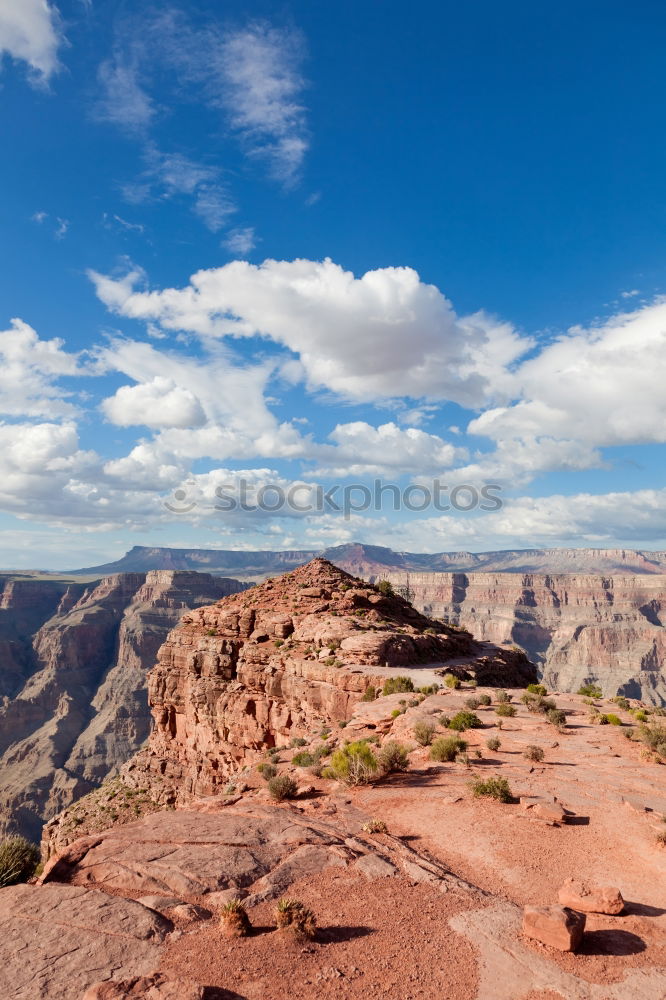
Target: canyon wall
<point>609,629</point>
<point>73,669</point>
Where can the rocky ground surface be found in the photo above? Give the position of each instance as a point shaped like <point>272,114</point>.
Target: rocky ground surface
<point>417,884</point>
<point>432,907</point>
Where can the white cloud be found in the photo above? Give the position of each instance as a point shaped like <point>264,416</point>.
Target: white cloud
<point>388,449</point>
<point>159,403</point>
<point>30,31</point>
<point>124,101</point>
<point>383,335</point>
<point>29,370</point>
<point>260,67</point>
<point>240,241</point>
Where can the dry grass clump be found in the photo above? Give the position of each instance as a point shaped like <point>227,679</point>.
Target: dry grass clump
<point>234,919</point>
<point>291,915</point>
<point>18,860</point>
<point>423,731</point>
<point>282,787</point>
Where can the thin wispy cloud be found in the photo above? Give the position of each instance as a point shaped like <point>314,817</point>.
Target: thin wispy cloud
<point>240,241</point>
<point>124,102</point>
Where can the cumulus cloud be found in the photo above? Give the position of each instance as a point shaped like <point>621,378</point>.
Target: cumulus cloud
<point>29,372</point>
<point>159,403</point>
<point>361,449</point>
<point>382,335</point>
<point>30,31</point>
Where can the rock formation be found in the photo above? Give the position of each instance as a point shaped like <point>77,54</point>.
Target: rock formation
<point>575,628</point>
<point>81,709</point>
<point>267,665</point>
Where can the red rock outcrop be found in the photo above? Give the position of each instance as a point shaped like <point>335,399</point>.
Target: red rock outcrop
<point>262,667</point>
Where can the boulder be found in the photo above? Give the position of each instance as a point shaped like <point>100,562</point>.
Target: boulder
<point>557,926</point>
<point>591,898</point>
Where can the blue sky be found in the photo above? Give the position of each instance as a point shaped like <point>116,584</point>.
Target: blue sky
<point>325,244</point>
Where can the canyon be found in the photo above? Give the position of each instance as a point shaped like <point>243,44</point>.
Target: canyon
<point>74,660</point>
<point>417,880</point>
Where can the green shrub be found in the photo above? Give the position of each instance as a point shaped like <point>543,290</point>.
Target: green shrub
<point>465,720</point>
<point>614,720</point>
<point>537,689</point>
<point>622,702</point>
<point>590,690</point>
<point>533,752</point>
<point>354,764</point>
<point>445,748</point>
<point>396,712</point>
<point>485,700</point>
<point>282,787</point>
<point>494,788</point>
<point>303,759</point>
<point>278,643</point>
<point>640,715</point>
<point>396,685</point>
<point>393,757</point>
<point>473,683</point>
<point>506,710</point>
<point>370,693</point>
<point>537,704</point>
<point>452,681</point>
<point>18,860</point>
<point>444,720</point>
<point>298,741</point>
<point>502,697</point>
<point>267,771</point>
<point>423,731</point>
<point>429,689</point>
<point>385,588</point>
<point>654,737</point>
<point>494,743</point>
<point>557,717</point>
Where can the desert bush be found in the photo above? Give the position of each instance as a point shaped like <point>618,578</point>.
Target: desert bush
<point>375,826</point>
<point>533,752</point>
<point>393,757</point>
<point>423,731</point>
<point>278,643</point>
<point>494,743</point>
<point>303,759</point>
<point>505,710</point>
<point>429,689</point>
<point>451,681</point>
<point>654,737</point>
<point>385,588</point>
<point>282,787</point>
<point>613,719</point>
<point>472,702</point>
<point>465,720</point>
<point>234,919</point>
<point>485,700</point>
<point>444,720</point>
<point>622,702</point>
<point>354,764</point>
<point>396,712</point>
<point>292,915</point>
<point>298,741</point>
<point>495,788</point>
<point>557,717</point>
<point>473,683</point>
<point>267,771</point>
<point>395,685</point>
<point>445,748</point>
<point>590,691</point>
<point>661,838</point>
<point>640,715</point>
<point>502,697</point>
<point>537,689</point>
<point>18,860</point>
<point>463,758</point>
<point>370,693</point>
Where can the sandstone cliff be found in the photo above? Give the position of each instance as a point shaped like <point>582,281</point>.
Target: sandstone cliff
<point>281,659</point>
<point>577,628</point>
<point>82,708</point>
